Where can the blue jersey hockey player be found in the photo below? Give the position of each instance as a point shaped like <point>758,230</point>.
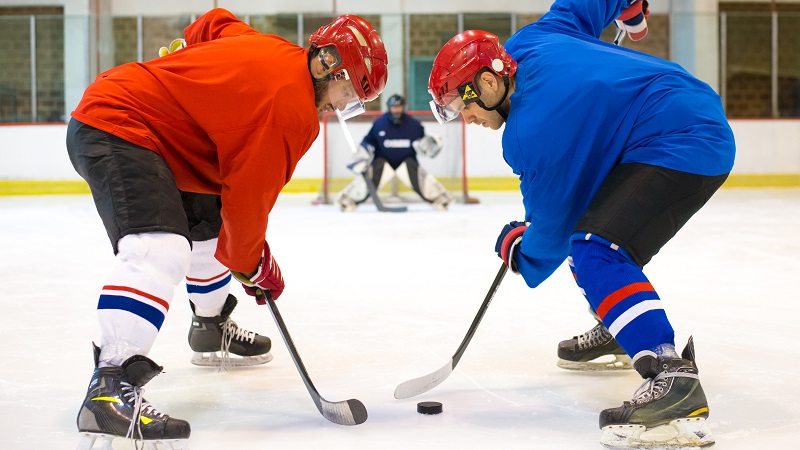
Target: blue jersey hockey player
<point>615,151</point>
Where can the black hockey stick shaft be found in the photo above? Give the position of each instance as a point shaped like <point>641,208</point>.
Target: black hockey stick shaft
<point>373,192</point>
<point>427,382</point>
<point>348,412</point>
<point>481,312</point>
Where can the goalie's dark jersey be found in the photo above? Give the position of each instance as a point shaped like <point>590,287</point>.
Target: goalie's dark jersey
<point>393,142</point>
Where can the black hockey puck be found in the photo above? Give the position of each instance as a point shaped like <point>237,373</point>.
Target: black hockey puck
<point>429,408</point>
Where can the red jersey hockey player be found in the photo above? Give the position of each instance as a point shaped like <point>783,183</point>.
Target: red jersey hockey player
<point>185,156</point>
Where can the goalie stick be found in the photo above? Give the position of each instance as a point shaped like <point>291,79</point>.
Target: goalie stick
<point>346,412</point>
<point>373,190</point>
<point>425,383</point>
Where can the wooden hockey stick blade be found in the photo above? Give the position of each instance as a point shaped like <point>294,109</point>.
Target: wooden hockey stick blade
<point>347,412</point>
<point>425,383</point>
<point>373,192</point>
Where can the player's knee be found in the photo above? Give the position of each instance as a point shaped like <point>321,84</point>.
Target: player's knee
<point>159,255</point>
<point>588,256</point>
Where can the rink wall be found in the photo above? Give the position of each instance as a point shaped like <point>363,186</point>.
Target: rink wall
<point>33,159</point>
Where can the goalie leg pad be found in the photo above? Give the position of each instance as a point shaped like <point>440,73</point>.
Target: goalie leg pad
<point>424,184</point>
<point>353,194</point>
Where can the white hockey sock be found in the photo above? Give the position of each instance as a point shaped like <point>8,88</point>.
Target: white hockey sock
<point>137,294</point>
<point>208,281</point>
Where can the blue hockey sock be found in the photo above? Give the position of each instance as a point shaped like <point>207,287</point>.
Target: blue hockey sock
<point>620,294</point>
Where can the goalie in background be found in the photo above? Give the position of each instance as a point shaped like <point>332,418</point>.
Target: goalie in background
<point>390,148</point>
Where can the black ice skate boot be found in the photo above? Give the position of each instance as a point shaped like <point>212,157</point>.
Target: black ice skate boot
<point>668,411</point>
<point>582,352</point>
<point>209,335</point>
<point>114,407</point>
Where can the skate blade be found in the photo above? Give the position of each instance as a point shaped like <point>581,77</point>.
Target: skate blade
<point>620,362</point>
<point>100,441</point>
<point>687,433</point>
<point>215,360</point>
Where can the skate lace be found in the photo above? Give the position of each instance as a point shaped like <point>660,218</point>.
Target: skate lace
<point>654,388</point>
<point>134,395</point>
<point>231,331</point>
<point>594,337</point>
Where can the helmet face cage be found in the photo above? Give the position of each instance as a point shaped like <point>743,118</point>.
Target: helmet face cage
<point>361,54</point>
<point>452,80</point>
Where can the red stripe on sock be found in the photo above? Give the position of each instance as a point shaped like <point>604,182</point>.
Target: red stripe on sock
<point>203,280</point>
<point>161,302</point>
<point>621,294</point>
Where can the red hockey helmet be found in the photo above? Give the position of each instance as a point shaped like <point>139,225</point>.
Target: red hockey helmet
<point>358,54</point>
<point>452,81</point>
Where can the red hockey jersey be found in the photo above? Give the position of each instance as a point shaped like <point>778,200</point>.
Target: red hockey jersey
<point>231,114</point>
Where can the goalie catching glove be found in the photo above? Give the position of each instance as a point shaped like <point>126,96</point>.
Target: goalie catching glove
<point>633,20</point>
<point>428,145</point>
<point>361,159</point>
<point>266,278</point>
<point>508,241</point>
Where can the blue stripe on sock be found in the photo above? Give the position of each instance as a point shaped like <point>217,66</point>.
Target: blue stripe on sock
<point>145,311</point>
<point>197,289</point>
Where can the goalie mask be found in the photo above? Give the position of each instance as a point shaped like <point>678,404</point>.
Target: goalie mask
<point>397,106</point>
<point>452,82</point>
<point>353,49</point>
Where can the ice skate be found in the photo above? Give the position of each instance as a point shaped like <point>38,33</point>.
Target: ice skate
<point>442,202</point>
<point>594,350</point>
<point>668,411</point>
<point>346,204</point>
<point>114,408</point>
<point>215,341</point>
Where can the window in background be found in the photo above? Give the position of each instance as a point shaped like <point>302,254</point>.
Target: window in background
<point>428,33</point>
<point>50,69</point>
<point>31,80</point>
<point>747,70</point>
<point>789,64</point>
<point>498,24</point>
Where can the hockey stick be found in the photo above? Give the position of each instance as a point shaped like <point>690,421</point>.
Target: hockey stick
<point>425,383</point>
<point>346,412</point>
<point>620,36</point>
<point>373,190</point>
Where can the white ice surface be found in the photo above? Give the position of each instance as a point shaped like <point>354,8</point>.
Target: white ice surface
<point>374,299</point>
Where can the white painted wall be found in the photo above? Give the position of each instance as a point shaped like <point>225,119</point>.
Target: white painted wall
<point>38,152</point>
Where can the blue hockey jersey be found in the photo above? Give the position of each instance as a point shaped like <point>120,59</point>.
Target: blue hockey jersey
<point>582,106</point>
<point>393,142</point>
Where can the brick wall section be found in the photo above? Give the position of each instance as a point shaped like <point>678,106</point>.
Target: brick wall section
<point>748,68</point>
<point>15,70</point>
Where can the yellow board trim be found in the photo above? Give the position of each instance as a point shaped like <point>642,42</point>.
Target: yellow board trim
<point>314,185</point>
